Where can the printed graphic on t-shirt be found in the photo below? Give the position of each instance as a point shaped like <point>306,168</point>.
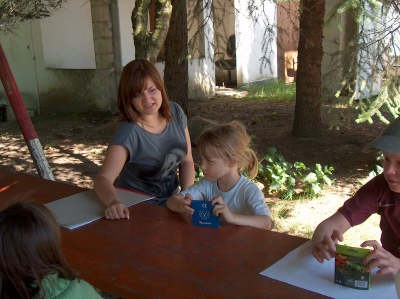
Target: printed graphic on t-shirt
<point>172,160</point>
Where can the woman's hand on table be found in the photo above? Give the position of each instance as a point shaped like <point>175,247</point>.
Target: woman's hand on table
<point>116,210</point>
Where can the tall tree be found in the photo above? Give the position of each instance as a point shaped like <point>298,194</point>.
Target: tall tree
<point>307,118</point>
<point>149,43</point>
<point>176,76</point>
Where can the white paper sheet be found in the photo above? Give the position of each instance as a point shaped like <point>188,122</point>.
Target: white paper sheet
<point>301,269</point>
<point>85,207</point>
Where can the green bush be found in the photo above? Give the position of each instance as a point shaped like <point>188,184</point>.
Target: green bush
<point>283,178</point>
<point>373,173</point>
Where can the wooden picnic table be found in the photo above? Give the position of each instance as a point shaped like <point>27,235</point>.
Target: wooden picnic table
<point>159,254</point>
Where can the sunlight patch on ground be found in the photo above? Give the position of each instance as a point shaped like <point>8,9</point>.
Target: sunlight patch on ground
<point>62,159</point>
<point>300,218</point>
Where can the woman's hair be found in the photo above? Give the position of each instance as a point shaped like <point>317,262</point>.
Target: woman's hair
<point>230,142</point>
<point>133,79</point>
<point>29,250</point>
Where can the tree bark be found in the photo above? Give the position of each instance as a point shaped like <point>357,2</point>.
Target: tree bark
<point>148,44</point>
<point>176,75</point>
<point>307,118</point>
<point>350,45</point>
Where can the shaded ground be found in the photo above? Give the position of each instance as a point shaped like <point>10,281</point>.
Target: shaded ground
<point>75,145</point>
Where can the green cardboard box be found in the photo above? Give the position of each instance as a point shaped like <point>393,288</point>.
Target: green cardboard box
<point>349,267</point>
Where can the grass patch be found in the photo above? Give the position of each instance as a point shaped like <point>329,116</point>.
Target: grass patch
<point>275,91</point>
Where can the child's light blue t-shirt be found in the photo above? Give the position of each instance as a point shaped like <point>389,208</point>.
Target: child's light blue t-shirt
<point>243,199</point>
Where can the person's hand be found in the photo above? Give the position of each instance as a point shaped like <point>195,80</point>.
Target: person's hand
<point>116,210</point>
<point>379,257</point>
<point>323,249</point>
<point>220,208</point>
<point>184,204</point>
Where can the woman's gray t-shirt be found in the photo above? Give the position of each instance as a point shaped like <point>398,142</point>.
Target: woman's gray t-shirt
<point>153,158</point>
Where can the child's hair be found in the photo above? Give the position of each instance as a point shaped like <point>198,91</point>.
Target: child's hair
<point>231,142</point>
<point>29,250</point>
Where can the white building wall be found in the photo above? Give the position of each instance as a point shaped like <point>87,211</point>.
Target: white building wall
<point>20,54</point>
<point>369,80</point>
<point>201,66</point>
<point>249,40</point>
<point>46,89</point>
<point>125,8</point>
<point>63,31</point>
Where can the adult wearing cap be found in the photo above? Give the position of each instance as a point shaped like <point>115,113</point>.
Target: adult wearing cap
<point>381,195</point>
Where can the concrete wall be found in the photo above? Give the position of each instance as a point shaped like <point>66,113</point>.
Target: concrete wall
<point>255,61</point>
<point>60,38</point>
<point>35,62</point>
<point>332,42</point>
<point>20,53</point>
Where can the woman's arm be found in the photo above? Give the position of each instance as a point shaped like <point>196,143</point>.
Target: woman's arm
<point>104,182</point>
<point>186,167</point>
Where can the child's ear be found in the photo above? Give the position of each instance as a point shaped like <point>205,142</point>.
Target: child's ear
<point>233,163</point>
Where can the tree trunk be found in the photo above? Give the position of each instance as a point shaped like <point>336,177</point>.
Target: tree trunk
<point>307,118</point>
<point>350,48</point>
<point>148,44</point>
<point>176,75</point>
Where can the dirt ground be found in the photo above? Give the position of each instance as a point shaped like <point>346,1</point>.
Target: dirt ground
<point>75,145</point>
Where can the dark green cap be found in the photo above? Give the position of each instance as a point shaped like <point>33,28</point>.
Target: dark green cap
<point>389,141</point>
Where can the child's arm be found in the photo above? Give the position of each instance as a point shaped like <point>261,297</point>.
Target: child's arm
<point>326,235</point>
<point>259,221</point>
<point>180,203</point>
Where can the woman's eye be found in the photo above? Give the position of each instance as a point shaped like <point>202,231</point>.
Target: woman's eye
<point>137,95</point>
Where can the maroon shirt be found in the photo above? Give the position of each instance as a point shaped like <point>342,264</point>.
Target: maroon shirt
<point>376,197</point>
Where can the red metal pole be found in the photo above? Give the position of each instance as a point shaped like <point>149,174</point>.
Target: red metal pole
<point>23,119</point>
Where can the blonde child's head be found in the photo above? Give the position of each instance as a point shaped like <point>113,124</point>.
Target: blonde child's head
<point>230,142</point>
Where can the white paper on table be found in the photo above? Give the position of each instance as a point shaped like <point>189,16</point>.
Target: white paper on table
<point>301,269</point>
<point>85,207</point>
<point>398,283</point>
